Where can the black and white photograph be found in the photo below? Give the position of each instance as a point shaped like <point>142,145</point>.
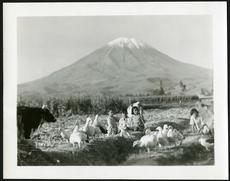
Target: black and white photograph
<point>126,89</point>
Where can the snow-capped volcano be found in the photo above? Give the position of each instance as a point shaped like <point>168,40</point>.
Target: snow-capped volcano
<point>126,42</point>
<point>122,66</point>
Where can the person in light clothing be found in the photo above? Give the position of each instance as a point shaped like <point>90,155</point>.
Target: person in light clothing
<point>112,124</point>
<point>122,127</point>
<point>137,105</point>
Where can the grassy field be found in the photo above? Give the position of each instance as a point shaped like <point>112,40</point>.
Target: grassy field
<point>48,148</point>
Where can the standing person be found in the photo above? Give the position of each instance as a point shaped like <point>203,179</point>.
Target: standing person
<point>122,127</point>
<point>112,125</point>
<point>137,120</point>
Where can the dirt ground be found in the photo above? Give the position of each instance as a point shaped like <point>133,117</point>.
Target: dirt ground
<point>48,148</point>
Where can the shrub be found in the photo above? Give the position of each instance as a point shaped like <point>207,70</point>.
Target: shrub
<point>98,104</point>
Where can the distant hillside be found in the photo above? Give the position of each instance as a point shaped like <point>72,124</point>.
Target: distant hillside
<point>123,66</point>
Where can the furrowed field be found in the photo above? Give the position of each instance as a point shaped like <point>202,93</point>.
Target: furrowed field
<point>47,147</point>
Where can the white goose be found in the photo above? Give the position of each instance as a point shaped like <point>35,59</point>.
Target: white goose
<point>207,142</point>
<point>89,129</point>
<point>161,139</point>
<point>78,137</point>
<point>146,141</point>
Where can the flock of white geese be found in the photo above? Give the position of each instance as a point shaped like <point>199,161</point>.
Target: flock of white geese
<point>161,138</point>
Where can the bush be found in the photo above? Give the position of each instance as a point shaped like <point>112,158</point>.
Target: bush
<point>78,105</point>
<point>98,104</point>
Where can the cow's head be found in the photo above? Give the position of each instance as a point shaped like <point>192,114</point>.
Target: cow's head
<point>47,116</point>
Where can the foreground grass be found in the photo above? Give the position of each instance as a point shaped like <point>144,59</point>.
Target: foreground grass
<point>193,154</point>
<point>101,151</point>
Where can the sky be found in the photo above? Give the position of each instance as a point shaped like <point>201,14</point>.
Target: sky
<point>47,44</point>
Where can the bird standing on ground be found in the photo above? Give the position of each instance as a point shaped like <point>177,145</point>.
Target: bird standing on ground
<point>207,142</point>
<point>161,139</point>
<point>165,130</point>
<point>146,141</point>
<point>174,136</point>
<point>78,137</point>
<point>90,130</point>
<point>64,134</point>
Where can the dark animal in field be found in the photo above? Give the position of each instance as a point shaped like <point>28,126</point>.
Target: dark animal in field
<point>30,118</point>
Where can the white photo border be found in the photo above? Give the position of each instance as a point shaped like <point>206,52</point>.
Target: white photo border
<point>218,10</point>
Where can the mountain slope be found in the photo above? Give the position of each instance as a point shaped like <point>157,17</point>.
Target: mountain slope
<point>120,67</point>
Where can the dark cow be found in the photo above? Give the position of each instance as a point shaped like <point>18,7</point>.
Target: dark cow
<point>30,118</point>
